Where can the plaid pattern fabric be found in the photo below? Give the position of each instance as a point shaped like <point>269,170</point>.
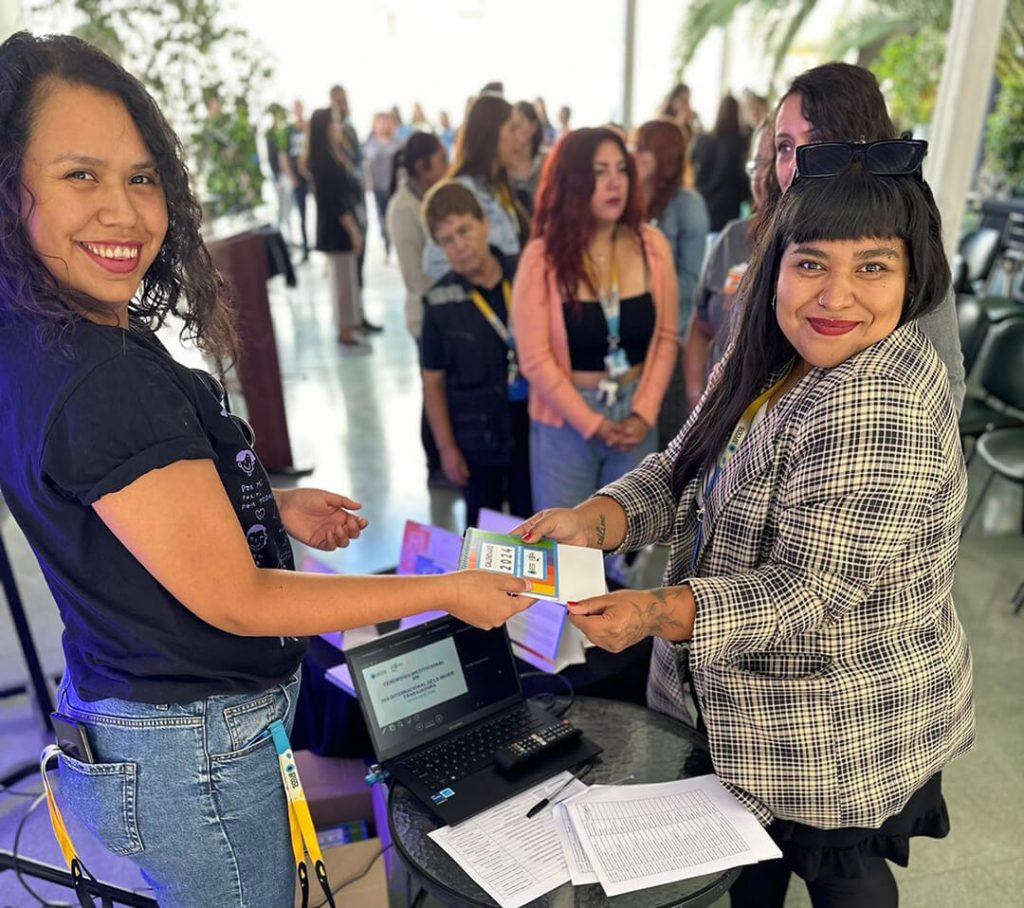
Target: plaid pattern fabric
<point>831,669</point>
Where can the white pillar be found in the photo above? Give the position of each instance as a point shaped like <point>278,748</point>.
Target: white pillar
<point>974,33</point>
<point>629,65</point>
<point>10,18</point>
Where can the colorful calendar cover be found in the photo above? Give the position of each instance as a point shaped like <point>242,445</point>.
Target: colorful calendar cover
<point>558,573</point>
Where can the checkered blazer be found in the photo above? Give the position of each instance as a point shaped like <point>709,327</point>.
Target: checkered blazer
<point>830,666</point>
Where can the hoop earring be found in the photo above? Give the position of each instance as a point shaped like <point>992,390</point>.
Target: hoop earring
<point>773,302</point>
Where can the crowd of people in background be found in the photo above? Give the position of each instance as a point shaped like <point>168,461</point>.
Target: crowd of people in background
<point>615,340</point>
<point>811,503</point>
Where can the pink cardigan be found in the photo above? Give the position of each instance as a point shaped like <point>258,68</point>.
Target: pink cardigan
<point>543,346</point>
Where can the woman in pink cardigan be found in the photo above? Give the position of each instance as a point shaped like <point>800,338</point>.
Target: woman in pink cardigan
<point>596,321</point>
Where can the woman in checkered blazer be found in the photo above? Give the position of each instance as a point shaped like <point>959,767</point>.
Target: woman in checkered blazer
<point>812,504</point>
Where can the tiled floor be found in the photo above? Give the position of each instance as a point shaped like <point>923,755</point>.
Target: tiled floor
<point>355,419</point>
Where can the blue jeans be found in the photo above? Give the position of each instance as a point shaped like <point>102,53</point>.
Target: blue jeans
<point>182,792</point>
<point>566,468</point>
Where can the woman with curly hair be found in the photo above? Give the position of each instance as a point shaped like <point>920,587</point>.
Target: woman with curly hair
<point>595,309</point>
<point>158,532</point>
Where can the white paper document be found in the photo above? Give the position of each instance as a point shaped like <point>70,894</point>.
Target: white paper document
<point>638,836</point>
<point>513,858</point>
<point>580,871</point>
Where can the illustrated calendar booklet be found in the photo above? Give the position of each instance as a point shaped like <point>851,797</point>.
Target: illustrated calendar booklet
<point>557,572</point>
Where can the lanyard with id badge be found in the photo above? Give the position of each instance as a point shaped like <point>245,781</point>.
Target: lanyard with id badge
<point>518,387</point>
<point>616,363</point>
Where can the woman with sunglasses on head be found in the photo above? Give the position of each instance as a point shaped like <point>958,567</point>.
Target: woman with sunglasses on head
<point>595,310</point>
<point>490,144</point>
<point>160,537</point>
<point>840,102</point>
<point>812,503</point>
<point>682,216</point>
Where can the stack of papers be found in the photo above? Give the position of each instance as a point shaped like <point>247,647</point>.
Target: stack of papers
<point>624,837</point>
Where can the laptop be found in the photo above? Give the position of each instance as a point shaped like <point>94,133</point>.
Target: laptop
<point>439,699</point>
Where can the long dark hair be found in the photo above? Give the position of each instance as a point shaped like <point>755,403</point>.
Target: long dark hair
<point>421,146</point>
<point>727,123</point>
<point>320,154</point>
<point>564,220</point>
<point>476,150</point>
<point>527,111</point>
<point>843,103</point>
<point>851,206</point>
<point>182,279</point>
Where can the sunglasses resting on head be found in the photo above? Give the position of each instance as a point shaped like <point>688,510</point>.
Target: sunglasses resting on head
<point>886,158</point>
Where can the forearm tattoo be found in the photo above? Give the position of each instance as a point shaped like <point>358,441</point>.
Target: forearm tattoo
<point>602,528</point>
<point>660,614</point>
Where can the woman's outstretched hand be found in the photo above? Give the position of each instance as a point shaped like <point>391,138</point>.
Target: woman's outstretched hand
<point>486,599</point>
<point>566,525</point>
<point>619,620</point>
<point>319,519</point>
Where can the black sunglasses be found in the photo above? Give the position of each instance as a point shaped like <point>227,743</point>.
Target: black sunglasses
<point>887,158</point>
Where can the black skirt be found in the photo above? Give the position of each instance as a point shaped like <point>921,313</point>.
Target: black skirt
<point>812,852</point>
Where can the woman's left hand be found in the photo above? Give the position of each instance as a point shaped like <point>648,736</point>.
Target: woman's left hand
<point>621,619</point>
<point>634,430</point>
<point>318,518</point>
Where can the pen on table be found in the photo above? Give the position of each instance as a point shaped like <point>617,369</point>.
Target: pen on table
<point>540,805</point>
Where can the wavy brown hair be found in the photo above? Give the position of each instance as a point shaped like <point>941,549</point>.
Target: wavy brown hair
<point>667,143</point>
<point>564,220</point>
<point>182,280</point>
<point>843,103</point>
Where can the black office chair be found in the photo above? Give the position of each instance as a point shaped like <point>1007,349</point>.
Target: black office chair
<point>1001,381</point>
<point>1010,260</point>
<point>975,316</point>
<point>1002,450</point>
<point>978,252</point>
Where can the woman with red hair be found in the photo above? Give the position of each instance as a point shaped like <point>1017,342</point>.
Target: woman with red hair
<point>595,308</point>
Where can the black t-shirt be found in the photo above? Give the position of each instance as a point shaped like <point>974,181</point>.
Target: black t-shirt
<point>458,340</point>
<point>587,332</point>
<point>77,428</point>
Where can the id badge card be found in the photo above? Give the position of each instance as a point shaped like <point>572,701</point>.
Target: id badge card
<point>518,390</point>
<point>616,364</point>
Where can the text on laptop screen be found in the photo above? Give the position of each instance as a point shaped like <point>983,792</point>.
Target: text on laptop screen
<point>423,683</point>
<point>415,682</point>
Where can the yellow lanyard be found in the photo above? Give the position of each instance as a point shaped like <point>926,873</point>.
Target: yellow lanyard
<point>60,832</point>
<point>300,823</point>
<point>505,200</point>
<point>492,317</point>
<point>499,326</point>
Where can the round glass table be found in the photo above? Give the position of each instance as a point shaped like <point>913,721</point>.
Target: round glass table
<point>637,741</point>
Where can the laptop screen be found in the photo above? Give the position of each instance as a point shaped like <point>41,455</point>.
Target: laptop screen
<point>416,686</point>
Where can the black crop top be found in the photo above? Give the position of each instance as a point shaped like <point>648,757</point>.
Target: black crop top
<point>588,332</point>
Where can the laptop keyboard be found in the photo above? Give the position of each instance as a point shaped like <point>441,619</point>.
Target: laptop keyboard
<point>456,758</point>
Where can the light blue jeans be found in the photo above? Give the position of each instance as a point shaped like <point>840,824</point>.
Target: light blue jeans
<point>566,468</point>
<point>182,792</point>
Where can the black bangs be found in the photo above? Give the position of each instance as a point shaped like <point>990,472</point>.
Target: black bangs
<point>852,205</point>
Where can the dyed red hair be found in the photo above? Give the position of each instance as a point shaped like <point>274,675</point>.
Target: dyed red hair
<point>563,220</point>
